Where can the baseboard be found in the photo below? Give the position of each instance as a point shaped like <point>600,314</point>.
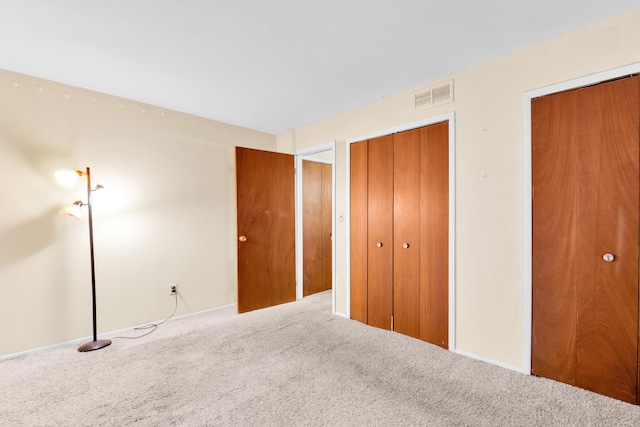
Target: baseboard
<point>105,334</point>
<point>491,361</point>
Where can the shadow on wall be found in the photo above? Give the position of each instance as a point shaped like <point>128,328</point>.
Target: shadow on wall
<point>28,238</point>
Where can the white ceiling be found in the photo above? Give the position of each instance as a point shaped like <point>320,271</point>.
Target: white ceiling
<point>273,65</point>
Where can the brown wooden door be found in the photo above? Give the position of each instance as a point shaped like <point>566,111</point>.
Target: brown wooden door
<point>266,228</point>
<point>434,234</point>
<point>316,226</point>
<point>380,232</point>
<point>608,223</point>
<point>586,205</point>
<point>311,227</point>
<point>400,192</point>
<point>359,214</point>
<point>555,236</point>
<point>406,220</point>
<point>326,239</point>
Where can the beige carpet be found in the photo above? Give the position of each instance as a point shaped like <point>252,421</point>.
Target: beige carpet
<point>291,365</point>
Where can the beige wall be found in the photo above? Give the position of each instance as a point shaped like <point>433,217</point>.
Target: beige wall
<point>489,209</point>
<point>167,213</point>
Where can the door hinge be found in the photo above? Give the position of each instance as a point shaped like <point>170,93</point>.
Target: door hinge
<point>392,323</point>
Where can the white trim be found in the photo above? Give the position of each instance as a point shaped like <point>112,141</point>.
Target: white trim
<point>451,118</point>
<point>527,234</point>
<point>347,219</point>
<point>491,361</point>
<point>108,334</point>
<point>342,315</point>
<point>307,154</point>
<point>318,160</point>
<point>402,128</point>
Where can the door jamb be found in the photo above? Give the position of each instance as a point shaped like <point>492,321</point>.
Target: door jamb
<point>527,219</point>
<point>308,154</point>
<point>451,118</point>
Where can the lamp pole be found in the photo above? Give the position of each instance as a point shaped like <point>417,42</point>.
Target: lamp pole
<point>96,344</point>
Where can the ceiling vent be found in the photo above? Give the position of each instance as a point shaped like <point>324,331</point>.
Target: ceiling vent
<point>433,95</point>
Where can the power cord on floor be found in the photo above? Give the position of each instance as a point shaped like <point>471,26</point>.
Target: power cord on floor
<point>152,326</point>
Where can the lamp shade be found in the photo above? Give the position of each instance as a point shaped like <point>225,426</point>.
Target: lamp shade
<point>73,211</point>
<point>67,178</point>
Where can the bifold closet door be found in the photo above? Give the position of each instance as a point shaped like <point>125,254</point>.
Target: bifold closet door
<point>380,233</point>
<point>434,234</point>
<point>359,155</point>
<point>421,233</point>
<point>585,171</point>
<point>400,232</point>
<point>406,258</point>
<point>607,333</point>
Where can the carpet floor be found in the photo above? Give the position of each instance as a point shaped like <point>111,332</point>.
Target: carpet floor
<point>290,365</point>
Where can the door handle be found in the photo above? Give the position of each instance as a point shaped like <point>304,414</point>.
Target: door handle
<point>242,238</point>
<point>379,244</point>
<point>405,245</point>
<point>608,257</point>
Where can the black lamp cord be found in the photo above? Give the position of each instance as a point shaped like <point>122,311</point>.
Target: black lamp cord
<point>152,326</point>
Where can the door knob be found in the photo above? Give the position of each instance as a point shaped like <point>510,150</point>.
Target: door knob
<point>242,238</point>
<point>405,245</point>
<point>608,257</point>
<point>379,244</point>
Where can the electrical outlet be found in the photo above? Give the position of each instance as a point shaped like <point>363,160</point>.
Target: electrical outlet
<point>173,289</point>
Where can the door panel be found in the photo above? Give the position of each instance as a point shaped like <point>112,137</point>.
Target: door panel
<point>406,247</point>
<point>358,226</point>
<point>555,236</point>
<point>585,154</point>
<point>266,212</point>
<point>316,223</point>
<point>327,223</point>
<point>311,227</point>
<point>434,234</point>
<point>380,232</point>
<point>608,293</point>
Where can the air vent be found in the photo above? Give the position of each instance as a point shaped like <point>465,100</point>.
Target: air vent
<point>434,95</point>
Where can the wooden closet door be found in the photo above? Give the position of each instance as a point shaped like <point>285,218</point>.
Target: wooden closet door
<point>359,156</point>
<point>380,232</point>
<point>555,236</point>
<point>607,296</point>
<point>406,236</point>
<point>434,234</point>
<point>585,206</point>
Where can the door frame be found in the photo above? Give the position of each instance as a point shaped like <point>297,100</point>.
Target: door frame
<point>310,154</point>
<point>451,118</point>
<point>527,217</point>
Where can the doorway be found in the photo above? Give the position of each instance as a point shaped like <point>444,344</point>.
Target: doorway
<point>315,230</point>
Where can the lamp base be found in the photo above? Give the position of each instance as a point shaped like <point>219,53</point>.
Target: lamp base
<point>94,345</point>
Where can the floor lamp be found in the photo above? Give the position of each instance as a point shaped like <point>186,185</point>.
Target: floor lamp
<point>68,178</point>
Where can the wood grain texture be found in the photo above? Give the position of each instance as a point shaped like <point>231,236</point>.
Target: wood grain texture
<point>311,227</point>
<point>380,230</point>
<point>607,333</point>
<point>326,222</point>
<point>434,234</point>
<point>266,216</point>
<point>358,230</point>
<point>555,236</point>
<point>406,221</point>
